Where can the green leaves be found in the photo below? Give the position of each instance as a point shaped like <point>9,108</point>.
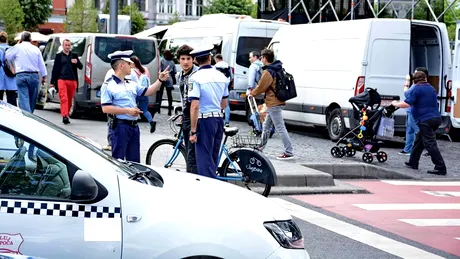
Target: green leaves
<point>137,19</point>
<point>81,17</point>
<point>176,18</point>
<point>244,7</point>
<point>12,16</point>
<point>36,12</point>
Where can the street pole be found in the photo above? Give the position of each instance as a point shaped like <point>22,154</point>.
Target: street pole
<point>352,9</point>
<point>289,10</point>
<point>113,16</point>
<point>412,11</point>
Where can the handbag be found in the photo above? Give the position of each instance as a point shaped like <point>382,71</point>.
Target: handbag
<point>6,65</point>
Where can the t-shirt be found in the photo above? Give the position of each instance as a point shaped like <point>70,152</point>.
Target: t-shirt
<point>423,100</point>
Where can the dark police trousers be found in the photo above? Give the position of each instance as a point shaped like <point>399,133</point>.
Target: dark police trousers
<point>426,138</point>
<point>209,139</point>
<point>189,147</point>
<point>126,142</point>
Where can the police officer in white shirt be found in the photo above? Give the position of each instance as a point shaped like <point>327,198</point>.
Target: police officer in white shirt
<point>118,97</point>
<point>208,93</point>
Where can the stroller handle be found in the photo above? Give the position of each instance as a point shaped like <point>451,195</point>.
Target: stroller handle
<point>252,104</point>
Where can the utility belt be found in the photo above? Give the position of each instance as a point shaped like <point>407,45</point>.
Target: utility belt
<point>210,115</point>
<point>114,121</point>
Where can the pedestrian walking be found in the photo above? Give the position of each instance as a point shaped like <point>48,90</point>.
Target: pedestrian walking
<point>208,92</point>
<point>267,85</point>
<point>118,97</point>
<point>424,107</point>
<point>28,62</point>
<point>187,69</point>
<point>143,101</point>
<point>224,68</point>
<point>65,76</point>
<point>7,82</point>
<point>411,125</point>
<point>167,61</point>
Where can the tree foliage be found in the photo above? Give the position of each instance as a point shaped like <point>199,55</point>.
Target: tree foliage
<point>174,19</point>
<point>36,12</point>
<point>137,18</point>
<point>81,17</point>
<point>244,7</point>
<point>12,16</point>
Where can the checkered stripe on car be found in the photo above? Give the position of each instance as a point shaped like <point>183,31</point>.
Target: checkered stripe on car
<point>55,209</point>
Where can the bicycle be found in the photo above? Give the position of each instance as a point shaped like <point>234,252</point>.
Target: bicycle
<point>243,162</point>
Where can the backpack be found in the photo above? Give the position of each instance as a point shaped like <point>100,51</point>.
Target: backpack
<point>6,66</point>
<point>285,86</point>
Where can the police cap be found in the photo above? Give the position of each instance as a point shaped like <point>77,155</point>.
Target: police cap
<point>123,55</point>
<point>202,50</point>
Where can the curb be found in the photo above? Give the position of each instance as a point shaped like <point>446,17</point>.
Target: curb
<point>359,171</point>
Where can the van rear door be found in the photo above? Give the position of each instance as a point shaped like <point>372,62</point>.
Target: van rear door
<point>388,61</point>
<point>454,95</point>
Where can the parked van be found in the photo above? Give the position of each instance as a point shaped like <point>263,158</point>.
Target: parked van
<point>234,36</point>
<point>334,61</point>
<point>93,50</point>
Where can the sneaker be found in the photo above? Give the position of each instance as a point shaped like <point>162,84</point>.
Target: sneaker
<point>402,152</point>
<point>107,148</point>
<point>227,125</point>
<point>285,156</point>
<point>65,120</point>
<point>153,126</point>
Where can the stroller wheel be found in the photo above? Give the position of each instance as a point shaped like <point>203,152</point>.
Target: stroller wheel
<point>382,156</point>
<point>368,157</point>
<point>336,152</point>
<point>349,152</point>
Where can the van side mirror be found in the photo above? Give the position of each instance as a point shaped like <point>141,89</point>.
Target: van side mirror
<point>84,188</point>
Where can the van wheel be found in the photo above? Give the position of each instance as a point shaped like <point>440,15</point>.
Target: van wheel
<point>74,112</point>
<point>336,125</point>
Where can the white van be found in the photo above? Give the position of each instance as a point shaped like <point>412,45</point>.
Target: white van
<point>334,61</point>
<point>234,37</point>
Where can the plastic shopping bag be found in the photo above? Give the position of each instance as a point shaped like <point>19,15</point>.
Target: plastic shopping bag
<point>386,127</point>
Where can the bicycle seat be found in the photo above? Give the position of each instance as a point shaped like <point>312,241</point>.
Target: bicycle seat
<point>230,131</point>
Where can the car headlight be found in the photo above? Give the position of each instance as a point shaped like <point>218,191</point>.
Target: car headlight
<point>287,233</point>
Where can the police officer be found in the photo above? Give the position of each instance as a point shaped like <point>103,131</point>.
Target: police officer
<point>208,93</point>
<point>118,97</point>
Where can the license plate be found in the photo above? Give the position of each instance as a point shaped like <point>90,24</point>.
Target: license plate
<point>243,95</point>
<point>98,93</point>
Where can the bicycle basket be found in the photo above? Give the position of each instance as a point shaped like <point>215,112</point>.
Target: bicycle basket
<point>250,141</point>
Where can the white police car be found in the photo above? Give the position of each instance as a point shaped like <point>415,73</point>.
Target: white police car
<point>61,197</point>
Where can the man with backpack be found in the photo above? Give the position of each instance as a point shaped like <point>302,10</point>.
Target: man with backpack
<point>223,67</point>
<point>7,77</point>
<point>273,79</point>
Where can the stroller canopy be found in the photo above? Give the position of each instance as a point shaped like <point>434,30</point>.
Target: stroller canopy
<point>369,97</point>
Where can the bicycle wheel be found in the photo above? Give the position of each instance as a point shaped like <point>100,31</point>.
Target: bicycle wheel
<point>163,153</point>
<point>232,169</point>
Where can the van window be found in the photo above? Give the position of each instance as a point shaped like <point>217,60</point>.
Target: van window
<point>248,44</point>
<point>143,49</point>
<point>47,50</point>
<point>275,47</point>
<point>78,45</point>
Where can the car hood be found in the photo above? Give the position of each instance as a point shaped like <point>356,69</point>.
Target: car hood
<point>201,193</point>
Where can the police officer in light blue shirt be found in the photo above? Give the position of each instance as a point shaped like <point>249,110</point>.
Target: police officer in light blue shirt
<point>118,97</point>
<point>208,93</point>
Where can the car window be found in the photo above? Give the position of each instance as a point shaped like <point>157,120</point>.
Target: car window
<point>275,47</point>
<point>26,170</point>
<point>142,48</point>
<point>78,45</point>
<point>248,44</point>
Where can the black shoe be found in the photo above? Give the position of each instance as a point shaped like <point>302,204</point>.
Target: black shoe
<point>153,126</point>
<point>65,120</point>
<point>415,167</point>
<point>438,172</point>
<point>169,113</point>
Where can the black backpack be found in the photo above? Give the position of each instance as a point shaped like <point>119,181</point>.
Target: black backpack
<point>6,66</point>
<point>285,86</point>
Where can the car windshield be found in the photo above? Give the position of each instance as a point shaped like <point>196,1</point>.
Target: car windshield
<point>124,169</point>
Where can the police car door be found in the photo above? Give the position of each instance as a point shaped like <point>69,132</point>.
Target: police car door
<point>455,88</point>
<point>37,216</point>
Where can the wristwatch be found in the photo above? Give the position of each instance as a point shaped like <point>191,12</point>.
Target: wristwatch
<point>192,133</point>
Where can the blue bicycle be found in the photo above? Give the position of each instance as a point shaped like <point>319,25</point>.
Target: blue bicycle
<point>243,163</point>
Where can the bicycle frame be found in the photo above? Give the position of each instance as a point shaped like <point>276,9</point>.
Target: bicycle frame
<point>223,150</point>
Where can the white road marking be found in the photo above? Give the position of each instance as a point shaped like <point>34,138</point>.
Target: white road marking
<point>353,232</point>
<point>432,222</point>
<point>409,206</point>
<point>442,193</point>
<point>102,229</point>
<point>421,183</point>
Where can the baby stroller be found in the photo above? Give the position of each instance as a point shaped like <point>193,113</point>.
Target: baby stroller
<point>363,138</point>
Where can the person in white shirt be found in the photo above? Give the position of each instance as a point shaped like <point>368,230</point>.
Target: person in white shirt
<point>29,65</point>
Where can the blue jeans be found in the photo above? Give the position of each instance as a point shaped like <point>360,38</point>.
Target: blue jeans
<point>27,90</point>
<point>411,131</point>
<point>143,106</point>
<point>227,114</point>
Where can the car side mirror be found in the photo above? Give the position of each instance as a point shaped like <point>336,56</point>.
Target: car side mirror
<point>84,188</point>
